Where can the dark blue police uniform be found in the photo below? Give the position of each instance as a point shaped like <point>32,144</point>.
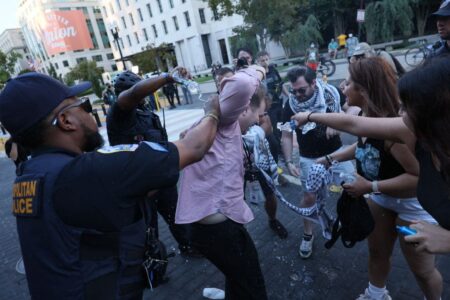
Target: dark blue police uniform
<point>81,221</point>
<point>141,124</point>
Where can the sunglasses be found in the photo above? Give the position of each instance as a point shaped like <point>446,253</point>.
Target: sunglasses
<point>83,103</point>
<point>300,91</point>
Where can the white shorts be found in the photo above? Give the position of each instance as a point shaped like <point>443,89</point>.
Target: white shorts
<point>407,209</point>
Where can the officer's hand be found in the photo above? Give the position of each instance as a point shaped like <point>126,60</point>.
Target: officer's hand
<point>212,106</point>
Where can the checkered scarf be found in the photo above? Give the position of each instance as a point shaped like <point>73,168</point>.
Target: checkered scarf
<point>325,97</point>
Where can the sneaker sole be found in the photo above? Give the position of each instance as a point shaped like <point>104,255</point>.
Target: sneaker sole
<point>305,256</point>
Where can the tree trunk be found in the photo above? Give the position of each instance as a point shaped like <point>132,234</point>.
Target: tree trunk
<point>421,19</point>
<point>339,24</point>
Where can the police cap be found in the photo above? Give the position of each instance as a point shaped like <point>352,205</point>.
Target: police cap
<point>28,98</point>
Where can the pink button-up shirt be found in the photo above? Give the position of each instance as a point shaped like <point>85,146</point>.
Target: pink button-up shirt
<point>216,183</point>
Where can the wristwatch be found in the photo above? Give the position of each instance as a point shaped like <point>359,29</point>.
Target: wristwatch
<point>375,189</point>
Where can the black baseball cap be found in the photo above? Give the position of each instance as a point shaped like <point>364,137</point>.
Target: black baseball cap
<point>444,10</point>
<point>28,98</point>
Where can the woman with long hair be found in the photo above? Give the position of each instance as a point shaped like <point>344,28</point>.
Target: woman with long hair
<point>425,128</point>
<point>388,171</point>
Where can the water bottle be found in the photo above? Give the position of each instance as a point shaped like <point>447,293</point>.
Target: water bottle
<point>192,86</point>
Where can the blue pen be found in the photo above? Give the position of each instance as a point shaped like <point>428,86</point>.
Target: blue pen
<point>405,230</point>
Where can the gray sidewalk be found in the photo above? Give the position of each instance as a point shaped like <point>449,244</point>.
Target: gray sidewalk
<point>338,273</point>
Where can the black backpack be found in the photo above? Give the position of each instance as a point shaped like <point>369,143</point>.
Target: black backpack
<point>354,221</point>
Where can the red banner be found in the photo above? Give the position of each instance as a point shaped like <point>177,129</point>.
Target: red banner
<point>65,31</point>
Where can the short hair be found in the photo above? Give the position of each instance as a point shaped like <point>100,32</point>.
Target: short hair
<point>222,71</point>
<point>258,97</point>
<point>246,49</point>
<point>297,72</point>
<point>32,138</point>
<point>262,53</point>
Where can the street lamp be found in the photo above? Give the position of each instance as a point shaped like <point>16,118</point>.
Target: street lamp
<point>115,34</point>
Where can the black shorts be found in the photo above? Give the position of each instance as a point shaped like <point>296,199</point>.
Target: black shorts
<point>267,191</point>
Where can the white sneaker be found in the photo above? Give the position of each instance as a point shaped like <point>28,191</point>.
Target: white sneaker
<point>305,250</point>
<point>366,296</point>
<point>20,267</point>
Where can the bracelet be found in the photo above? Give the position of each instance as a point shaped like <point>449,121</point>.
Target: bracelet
<point>212,116</point>
<point>329,159</point>
<point>289,162</point>
<point>375,187</point>
<point>308,117</point>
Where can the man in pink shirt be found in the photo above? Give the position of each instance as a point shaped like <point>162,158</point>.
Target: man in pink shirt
<point>211,192</point>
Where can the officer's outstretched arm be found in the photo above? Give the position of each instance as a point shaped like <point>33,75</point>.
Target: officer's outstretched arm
<point>197,141</point>
<point>129,99</point>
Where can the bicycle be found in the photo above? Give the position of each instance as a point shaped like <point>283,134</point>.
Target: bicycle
<point>416,55</point>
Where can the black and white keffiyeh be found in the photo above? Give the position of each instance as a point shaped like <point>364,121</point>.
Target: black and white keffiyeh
<point>325,97</point>
<point>316,183</point>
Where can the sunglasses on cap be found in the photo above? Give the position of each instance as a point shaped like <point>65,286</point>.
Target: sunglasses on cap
<point>300,91</point>
<point>83,103</point>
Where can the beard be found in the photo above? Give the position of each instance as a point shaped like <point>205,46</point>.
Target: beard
<point>93,139</point>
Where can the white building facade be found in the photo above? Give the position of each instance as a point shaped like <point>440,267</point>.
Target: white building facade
<point>34,13</point>
<point>198,37</point>
<point>12,40</point>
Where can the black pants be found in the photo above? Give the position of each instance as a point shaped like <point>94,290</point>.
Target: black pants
<point>166,203</point>
<point>231,249</point>
<point>170,98</point>
<point>274,139</point>
<point>177,96</point>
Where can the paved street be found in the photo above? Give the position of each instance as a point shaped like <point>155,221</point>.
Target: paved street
<point>338,273</point>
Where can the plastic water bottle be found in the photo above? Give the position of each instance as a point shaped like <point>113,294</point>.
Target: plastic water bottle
<point>213,293</point>
<point>192,86</point>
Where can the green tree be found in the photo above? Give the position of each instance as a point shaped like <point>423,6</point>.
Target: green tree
<point>86,71</point>
<point>7,63</point>
<point>154,58</point>
<point>245,37</point>
<point>300,37</point>
<point>385,17</point>
<point>264,18</point>
<point>422,9</point>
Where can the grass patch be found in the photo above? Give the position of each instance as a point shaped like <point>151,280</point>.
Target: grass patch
<point>203,79</point>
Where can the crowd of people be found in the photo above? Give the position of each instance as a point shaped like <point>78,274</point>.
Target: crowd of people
<point>86,213</point>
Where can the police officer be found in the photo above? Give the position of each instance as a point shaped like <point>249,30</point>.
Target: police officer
<point>79,212</point>
<point>443,25</point>
<point>130,121</point>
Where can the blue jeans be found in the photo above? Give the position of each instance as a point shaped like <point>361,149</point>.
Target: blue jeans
<point>187,95</point>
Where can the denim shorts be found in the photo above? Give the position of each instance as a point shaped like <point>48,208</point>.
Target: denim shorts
<point>407,209</point>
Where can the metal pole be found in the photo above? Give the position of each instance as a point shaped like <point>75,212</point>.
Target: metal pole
<point>115,34</point>
<point>104,109</point>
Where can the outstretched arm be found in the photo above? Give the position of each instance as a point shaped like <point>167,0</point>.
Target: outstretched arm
<point>129,99</point>
<point>393,129</point>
